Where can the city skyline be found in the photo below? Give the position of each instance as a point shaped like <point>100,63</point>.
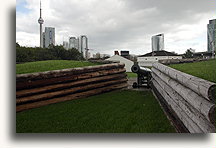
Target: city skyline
<point>129,26</point>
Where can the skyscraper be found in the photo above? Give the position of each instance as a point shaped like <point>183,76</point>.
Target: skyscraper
<point>83,45</point>
<point>49,36</point>
<point>74,43</point>
<point>41,21</point>
<point>211,35</point>
<point>157,42</point>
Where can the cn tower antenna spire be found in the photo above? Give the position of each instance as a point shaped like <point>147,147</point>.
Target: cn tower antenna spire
<point>41,21</point>
<point>40,8</point>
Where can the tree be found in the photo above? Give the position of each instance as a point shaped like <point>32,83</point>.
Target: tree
<point>29,54</point>
<point>17,44</point>
<point>188,54</point>
<point>74,54</point>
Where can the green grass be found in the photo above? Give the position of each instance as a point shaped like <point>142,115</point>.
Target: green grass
<point>131,75</point>
<point>204,69</point>
<point>134,75</point>
<point>41,66</point>
<point>114,112</point>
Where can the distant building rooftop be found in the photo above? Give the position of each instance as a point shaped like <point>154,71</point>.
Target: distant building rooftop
<point>159,53</point>
<point>202,54</point>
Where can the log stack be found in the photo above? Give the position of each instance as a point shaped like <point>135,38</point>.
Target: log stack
<point>43,88</point>
<point>192,99</point>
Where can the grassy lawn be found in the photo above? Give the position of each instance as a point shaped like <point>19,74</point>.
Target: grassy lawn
<point>204,69</point>
<point>114,112</point>
<point>131,75</point>
<point>41,66</point>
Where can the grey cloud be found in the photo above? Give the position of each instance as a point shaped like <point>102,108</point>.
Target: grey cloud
<point>123,24</point>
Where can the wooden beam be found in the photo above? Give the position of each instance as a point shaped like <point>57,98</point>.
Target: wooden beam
<point>66,72</point>
<point>191,126</point>
<point>61,86</point>
<point>64,92</point>
<point>172,116</point>
<point>200,86</point>
<point>71,97</point>
<point>202,105</point>
<point>28,84</point>
<point>192,113</point>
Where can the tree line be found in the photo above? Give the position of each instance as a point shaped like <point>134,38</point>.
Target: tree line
<point>31,54</point>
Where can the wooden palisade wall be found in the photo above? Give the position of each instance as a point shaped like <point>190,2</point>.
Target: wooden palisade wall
<point>43,88</point>
<point>192,99</point>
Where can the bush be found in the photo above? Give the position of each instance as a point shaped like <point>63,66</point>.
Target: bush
<point>30,54</point>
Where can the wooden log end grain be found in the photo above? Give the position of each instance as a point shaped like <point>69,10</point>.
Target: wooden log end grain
<point>212,115</point>
<point>212,93</point>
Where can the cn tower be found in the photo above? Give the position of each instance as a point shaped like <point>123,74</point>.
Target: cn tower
<point>41,21</point>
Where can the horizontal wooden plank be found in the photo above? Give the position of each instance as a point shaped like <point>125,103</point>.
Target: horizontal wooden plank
<point>192,113</point>
<point>55,87</point>
<point>71,97</point>
<point>50,81</point>
<point>200,86</point>
<point>201,104</point>
<point>172,116</point>
<point>190,124</point>
<point>63,92</point>
<point>66,72</point>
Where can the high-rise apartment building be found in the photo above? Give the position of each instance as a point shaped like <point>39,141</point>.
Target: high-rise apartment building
<point>81,44</point>
<point>49,36</point>
<point>74,43</point>
<point>157,42</point>
<point>211,35</point>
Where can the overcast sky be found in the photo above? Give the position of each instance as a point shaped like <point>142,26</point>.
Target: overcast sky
<point>118,24</point>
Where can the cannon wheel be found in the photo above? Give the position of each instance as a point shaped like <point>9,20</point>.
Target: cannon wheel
<point>135,85</point>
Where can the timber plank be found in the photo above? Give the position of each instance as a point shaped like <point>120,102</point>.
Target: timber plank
<point>71,97</point>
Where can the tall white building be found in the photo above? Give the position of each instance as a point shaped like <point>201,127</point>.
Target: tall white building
<point>211,35</point>
<point>49,36</point>
<point>81,44</point>
<point>157,42</point>
<point>83,48</point>
<point>74,43</point>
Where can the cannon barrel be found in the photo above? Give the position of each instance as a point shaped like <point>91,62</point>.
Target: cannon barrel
<point>140,70</point>
<point>143,75</point>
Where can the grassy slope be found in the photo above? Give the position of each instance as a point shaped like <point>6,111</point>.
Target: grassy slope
<point>41,66</point>
<point>204,70</point>
<point>115,112</point>
<point>131,75</point>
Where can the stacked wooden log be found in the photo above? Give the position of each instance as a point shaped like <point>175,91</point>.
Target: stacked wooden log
<point>43,88</point>
<point>191,98</point>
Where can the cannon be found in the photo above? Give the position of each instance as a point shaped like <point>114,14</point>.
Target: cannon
<point>143,75</point>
